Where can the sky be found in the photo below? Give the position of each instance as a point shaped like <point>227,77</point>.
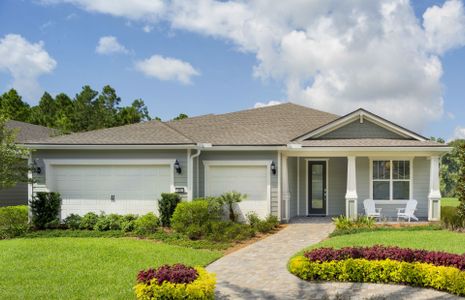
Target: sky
<point>404,60</point>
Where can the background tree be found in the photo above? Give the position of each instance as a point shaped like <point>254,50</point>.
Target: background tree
<point>13,168</point>
<point>181,116</point>
<point>460,188</point>
<point>13,107</point>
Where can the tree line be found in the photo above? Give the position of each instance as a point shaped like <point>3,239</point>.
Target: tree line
<point>88,110</point>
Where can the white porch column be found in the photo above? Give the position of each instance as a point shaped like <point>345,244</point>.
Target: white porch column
<point>351,192</point>
<point>285,183</point>
<point>434,196</point>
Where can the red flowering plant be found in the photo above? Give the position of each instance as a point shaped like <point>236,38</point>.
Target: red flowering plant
<point>379,252</point>
<point>177,273</point>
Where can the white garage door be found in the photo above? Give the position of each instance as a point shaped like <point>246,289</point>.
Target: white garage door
<point>86,188</point>
<point>250,180</point>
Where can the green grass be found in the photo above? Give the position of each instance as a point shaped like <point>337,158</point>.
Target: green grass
<point>429,239</point>
<point>84,268</point>
<point>449,202</point>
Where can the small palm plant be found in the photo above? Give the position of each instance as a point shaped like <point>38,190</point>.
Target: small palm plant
<point>229,199</point>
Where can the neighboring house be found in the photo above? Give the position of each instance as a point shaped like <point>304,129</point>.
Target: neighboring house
<point>290,160</point>
<point>25,132</point>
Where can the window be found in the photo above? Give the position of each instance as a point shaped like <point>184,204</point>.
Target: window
<point>391,179</point>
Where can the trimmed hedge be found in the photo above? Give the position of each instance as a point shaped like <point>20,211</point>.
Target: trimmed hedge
<point>442,278</point>
<point>150,287</point>
<point>379,252</point>
<point>13,221</point>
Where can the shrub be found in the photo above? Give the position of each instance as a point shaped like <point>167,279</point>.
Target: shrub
<point>13,221</point>
<point>379,252</point>
<point>45,209</point>
<point>191,216</point>
<point>230,199</point>
<point>177,283</point>
<point>448,279</point>
<point>263,226</point>
<point>177,273</point>
<point>450,218</point>
<point>88,221</point>
<point>344,223</point>
<point>166,206</point>
<point>108,222</point>
<point>73,221</point>
<point>128,222</point>
<point>148,223</point>
<point>215,207</point>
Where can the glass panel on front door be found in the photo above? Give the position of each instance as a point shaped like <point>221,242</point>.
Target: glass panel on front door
<point>317,188</point>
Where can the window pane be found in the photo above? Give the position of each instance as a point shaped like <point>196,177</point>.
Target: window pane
<point>401,190</point>
<point>381,169</point>
<point>401,169</point>
<point>317,186</point>
<point>381,190</point>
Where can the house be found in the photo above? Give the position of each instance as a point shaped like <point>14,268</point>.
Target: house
<point>25,132</point>
<point>290,160</point>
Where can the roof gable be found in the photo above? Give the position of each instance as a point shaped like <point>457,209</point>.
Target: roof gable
<point>361,124</point>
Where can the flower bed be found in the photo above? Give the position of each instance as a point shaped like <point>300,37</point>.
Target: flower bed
<point>175,282</point>
<point>379,252</point>
<point>380,264</point>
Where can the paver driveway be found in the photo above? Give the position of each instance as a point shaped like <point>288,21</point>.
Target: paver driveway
<point>259,271</point>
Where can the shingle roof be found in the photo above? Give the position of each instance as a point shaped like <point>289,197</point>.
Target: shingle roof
<point>151,132</point>
<point>29,132</point>
<point>271,125</point>
<point>369,143</point>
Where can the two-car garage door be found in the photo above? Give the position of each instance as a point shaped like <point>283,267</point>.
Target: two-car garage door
<point>119,189</point>
<point>250,179</point>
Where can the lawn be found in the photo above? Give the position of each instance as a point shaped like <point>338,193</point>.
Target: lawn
<point>449,202</point>
<point>84,268</point>
<point>428,239</point>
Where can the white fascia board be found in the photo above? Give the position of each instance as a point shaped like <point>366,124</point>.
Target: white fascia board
<point>104,147</point>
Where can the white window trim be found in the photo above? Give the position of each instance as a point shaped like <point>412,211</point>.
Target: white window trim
<point>326,160</point>
<point>391,180</point>
<point>49,163</point>
<point>208,163</point>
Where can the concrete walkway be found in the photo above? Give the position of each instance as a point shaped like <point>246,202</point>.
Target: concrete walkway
<point>259,271</point>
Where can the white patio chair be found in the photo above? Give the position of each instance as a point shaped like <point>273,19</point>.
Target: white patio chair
<point>370,209</point>
<point>408,212</point>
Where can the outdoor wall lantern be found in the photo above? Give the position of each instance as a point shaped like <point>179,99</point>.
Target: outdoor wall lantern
<point>177,167</point>
<point>273,168</point>
<point>35,167</point>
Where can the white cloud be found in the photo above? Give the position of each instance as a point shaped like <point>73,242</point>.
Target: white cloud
<point>445,26</point>
<point>25,62</point>
<point>459,133</point>
<point>167,68</point>
<point>269,103</point>
<point>110,45</point>
<point>147,28</point>
<point>331,55</point>
<point>148,10</point>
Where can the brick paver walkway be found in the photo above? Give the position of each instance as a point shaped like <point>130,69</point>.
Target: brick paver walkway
<point>259,271</point>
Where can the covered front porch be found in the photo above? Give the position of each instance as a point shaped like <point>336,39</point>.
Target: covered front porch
<point>333,183</point>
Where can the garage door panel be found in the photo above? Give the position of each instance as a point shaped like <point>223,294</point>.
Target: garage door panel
<point>89,188</point>
<point>249,180</point>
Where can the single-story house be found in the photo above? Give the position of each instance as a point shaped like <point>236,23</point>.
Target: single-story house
<point>25,132</point>
<point>290,160</point>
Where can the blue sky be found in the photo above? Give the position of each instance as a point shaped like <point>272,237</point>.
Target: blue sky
<point>228,66</point>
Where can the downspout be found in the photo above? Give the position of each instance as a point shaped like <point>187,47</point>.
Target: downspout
<point>191,174</point>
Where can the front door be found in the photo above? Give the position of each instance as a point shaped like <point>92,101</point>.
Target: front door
<point>316,187</point>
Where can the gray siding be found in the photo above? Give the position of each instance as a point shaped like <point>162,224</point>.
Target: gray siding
<point>16,195</point>
<point>180,155</point>
<point>241,155</point>
<point>420,187</point>
<point>359,130</point>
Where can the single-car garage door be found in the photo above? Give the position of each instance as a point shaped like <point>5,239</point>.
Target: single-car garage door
<point>121,189</point>
<point>252,180</point>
